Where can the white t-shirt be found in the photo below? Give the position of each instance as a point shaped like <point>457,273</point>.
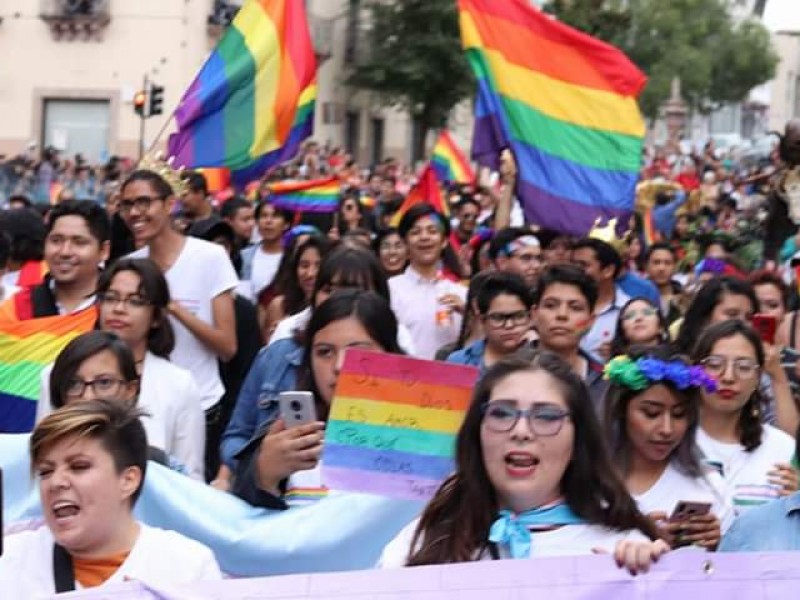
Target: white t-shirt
<point>174,421</point>
<point>745,473</point>
<point>290,325</point>
<point>202,272</point>
<point>415,302</point>
<point>158,558</point>
<point>265,267</point>
<point>673,487</point>
<point>570,540</point>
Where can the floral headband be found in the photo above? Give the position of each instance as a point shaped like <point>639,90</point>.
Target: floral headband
<point>643,372</point>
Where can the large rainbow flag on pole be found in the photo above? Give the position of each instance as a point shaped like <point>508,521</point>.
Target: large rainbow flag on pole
<point>449,162</point>
<point>564,103</point>
<point>27,347</point>
<point>318,196</point>
<point>252,104</point>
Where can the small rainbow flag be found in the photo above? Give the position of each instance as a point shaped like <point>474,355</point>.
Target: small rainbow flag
<point>564,103</point>
<point>427,190</point>
<point>252,103</point>
<point>27,347</point>
<point>449,162</point>
<point>318,196</point>
<point>649,230</point>
<point>217,179</point>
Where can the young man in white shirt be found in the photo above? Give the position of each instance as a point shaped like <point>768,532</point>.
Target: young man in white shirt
<point>201,281</point>
<point>260,262</point>
<point>602,263</point>
<point>427,303</point>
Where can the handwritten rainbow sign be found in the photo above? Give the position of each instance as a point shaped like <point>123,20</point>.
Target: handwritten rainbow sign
<point>393,424</point>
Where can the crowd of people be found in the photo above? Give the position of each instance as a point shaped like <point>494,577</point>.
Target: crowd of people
<point>639,385</point>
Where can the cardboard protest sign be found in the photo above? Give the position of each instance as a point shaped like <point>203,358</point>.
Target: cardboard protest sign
<point>392,426</point>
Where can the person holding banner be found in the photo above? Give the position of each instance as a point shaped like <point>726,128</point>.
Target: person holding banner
<point>280,466</point>
<point>652,414</point>
<point>752,457</point>
<point>533,478</point>
<point>90,460</point>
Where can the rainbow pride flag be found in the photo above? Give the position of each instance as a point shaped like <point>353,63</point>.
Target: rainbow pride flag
<point>27,347</point>
<point>427,189</point>
<point>449,162</point>
<point>252,103</point>
<point>649,230</point>
<point>564,103</point>
<point>318,196</point>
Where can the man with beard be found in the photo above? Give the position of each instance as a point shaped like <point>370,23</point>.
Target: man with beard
<point>75,247</point>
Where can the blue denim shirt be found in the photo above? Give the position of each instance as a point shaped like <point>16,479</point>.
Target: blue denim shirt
<point>472,355</point>
<point>273,371</point>
<point>771,527</point>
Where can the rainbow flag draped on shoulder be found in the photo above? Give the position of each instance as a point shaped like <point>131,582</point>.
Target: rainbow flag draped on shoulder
<point>449,162</point>
<point>318,196</point>
<point>564,103</point>
<point>27,347</point>
<point>252,103</point>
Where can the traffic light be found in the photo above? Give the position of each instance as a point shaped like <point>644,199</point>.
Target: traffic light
<point>156,100</point>
<point>139,103</point>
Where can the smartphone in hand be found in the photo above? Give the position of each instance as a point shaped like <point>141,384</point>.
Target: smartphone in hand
<point>766,326</point>
<point>297,408</point>
<point>685,510</point>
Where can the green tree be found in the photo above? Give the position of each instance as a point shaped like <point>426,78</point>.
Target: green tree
<point>717,60</point>
<point>413,60</point>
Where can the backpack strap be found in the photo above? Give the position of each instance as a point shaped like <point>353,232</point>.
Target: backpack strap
<point>63,572</point>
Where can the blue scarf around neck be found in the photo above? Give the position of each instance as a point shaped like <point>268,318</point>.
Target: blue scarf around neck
<point>513,531</point>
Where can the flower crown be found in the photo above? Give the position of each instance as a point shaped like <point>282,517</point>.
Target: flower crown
<point>645,371</point>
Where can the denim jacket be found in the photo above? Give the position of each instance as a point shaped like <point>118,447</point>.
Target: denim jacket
<point>771,527</point>
<point>274,371</point>
<point>247,255</point>
<point>472,355</point>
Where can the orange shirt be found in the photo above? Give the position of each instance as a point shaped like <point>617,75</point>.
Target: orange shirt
<point>92,572</point>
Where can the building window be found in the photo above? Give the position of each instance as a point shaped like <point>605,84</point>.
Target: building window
<point>78,127</point>
<point>352,131</point>
<point>377,140</point>
<point>351,35</point>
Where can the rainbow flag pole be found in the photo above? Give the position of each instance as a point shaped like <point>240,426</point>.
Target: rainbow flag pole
<point>318,196</point>
<point>564,103</point>
<point>252,104</point>
<point>449,161</point>
<point>27,347</point>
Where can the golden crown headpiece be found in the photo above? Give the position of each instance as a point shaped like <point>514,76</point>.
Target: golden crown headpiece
<point>156,163</point>
<point>608,234</point>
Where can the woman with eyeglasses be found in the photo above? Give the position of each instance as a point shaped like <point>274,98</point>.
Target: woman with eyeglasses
<point>753,458</point>
<point>391,251</point>
<point>532,478</point>
<point>651,418</point>
<point>504,308</point>
<point>640,323</point>
<point>132,298</point>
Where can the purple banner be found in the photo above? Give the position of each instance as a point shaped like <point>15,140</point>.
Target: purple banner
<point>682,574</point>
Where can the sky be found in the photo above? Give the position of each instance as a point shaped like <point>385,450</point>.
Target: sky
<point>782,15</point>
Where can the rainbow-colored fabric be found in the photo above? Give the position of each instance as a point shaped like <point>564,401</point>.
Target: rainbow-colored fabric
<point>252,103</point>
<point>318,196</point>
<point>449,162</point>
<point>27,347</point>
<point>564,103</point>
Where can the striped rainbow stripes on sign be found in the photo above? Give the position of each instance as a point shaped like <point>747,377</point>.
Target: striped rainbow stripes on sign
<point>318,196</point>
<point>449,162</point>
<point>393,424</point>
<point>564,103</point>
<point>252,103</point>
<point>27,347</point>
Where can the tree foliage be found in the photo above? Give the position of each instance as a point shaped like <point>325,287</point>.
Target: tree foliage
<point>717,60</point>
<point>414,59</point>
